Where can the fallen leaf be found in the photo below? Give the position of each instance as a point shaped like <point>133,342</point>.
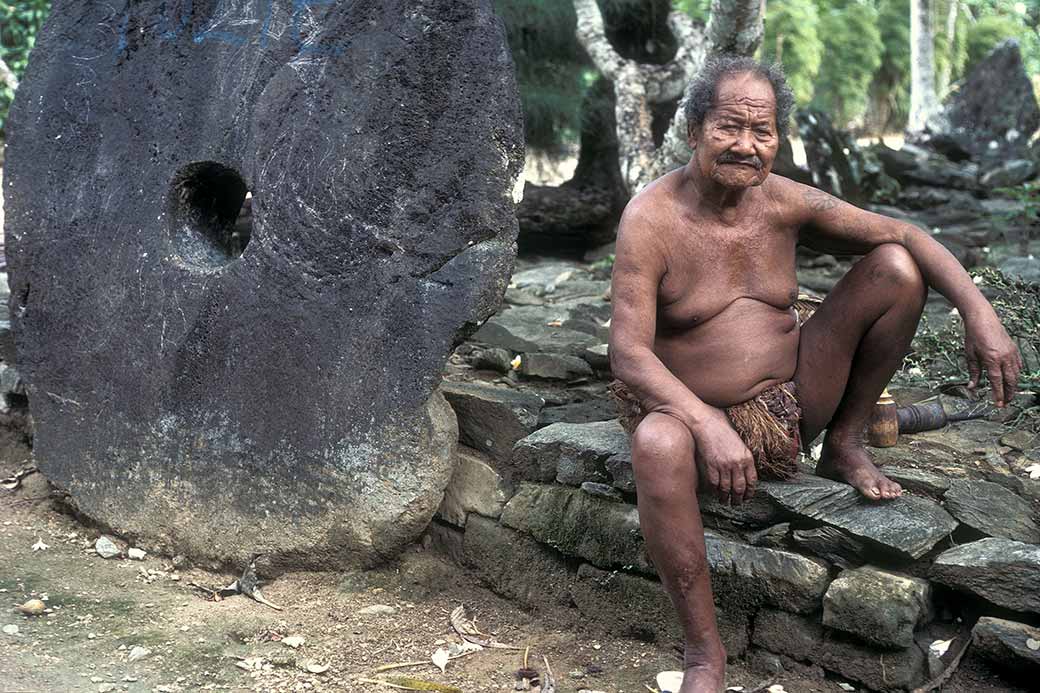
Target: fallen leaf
<point>776,688</point>
<point>1032,644</point>
<point>440,658</point>
<point>939,647</point>
<point>669,681</point>
<point>137,653</point>
<point>1034,471</point>
<point>846,686</point>
<point>315,668</point>
<point>515,363</point>
<point>39,545</point>
<point>554,323</point>
<point>33,607</point>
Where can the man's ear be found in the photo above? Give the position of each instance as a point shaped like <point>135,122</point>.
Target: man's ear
<point>691,136</point>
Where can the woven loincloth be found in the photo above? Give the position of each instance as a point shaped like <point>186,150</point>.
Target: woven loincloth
<point>767,423</point>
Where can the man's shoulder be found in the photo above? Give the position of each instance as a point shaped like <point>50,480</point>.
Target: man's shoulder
<point>654,202</point>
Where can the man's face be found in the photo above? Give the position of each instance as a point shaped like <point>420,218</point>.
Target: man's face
<point>738,140</point>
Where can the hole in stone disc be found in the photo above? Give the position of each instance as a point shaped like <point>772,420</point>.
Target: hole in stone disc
<point>211,214</point>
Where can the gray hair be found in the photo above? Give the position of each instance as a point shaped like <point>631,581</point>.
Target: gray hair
<point>700,95</point>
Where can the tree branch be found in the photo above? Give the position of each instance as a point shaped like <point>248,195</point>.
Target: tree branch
<point>7,76</point>
<point>735,27</point>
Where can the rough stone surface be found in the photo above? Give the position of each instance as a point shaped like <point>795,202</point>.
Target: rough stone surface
<point>1008,173</point>
<point>877,606</point>
<point>805,639</point>
<point>474,488</point>
<point>1001,571</point>
<point>745,576</point>
<point>603,532</point>
<point>1007,644</point>
<point>578,412</point>
<point>918,480</point>
<point>638,607</point>
<point>597,357</point>
<point>831,544</point>
<point>275,399</point>
<point>992,509</point>
<point>907,527</point>
<point>535,329</point>
<point>569,453</point>
<point>554,367</point>
<point>996,104</point>
<point>514,565</point>
<point>492,418</point>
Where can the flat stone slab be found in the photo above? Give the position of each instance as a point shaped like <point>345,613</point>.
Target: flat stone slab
<point>554,366</point>
<point>569,453</point>
<point>907,527</point>
<point>992,509</point>
<point>264,386</point>
<point>492,418</point>
<point>535,329</point>
<point>1010,645</point>
<point>877,606</point>
<point>1002,571</point>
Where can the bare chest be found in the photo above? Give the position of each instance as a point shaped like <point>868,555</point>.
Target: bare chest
<point>711,266</point>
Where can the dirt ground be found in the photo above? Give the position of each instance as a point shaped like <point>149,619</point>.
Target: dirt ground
<point>99,610</point>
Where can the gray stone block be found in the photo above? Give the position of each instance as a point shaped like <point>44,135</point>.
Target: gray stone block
<point>553,366</point>
<point>1009,645</point>
<point>907,527</point>
<point>492,418</point>
<point>569,453</point>
<point>992,509</point>
<point>474,487</point>
<point>1001,571</point>
<point>877,606</point>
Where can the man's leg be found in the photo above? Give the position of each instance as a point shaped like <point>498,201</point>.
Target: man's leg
<point>666,485</point>
<point>848,352</point>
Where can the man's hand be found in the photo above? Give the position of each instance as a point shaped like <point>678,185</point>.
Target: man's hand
<point>724,461</point>
<point>990,350</point>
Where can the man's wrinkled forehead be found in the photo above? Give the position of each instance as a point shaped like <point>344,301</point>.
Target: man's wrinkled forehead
<point>745,94</point>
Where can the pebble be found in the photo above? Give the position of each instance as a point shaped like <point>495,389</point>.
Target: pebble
<point>377,610</point>
<point>106,548</point>
<point>293,641</point>
<point>106,688</point>
<point>137,554</point>
<point>137,653</point>
<point>10,629</point>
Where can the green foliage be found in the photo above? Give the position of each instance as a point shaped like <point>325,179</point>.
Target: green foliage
<point>1024,222</point>
<point>937,352</point>
<point>852,53</point>
<point>19,22</point>
<point>791,38</point>
<point>550,69</point>
<point>698,9</point>
<point>986,33</point>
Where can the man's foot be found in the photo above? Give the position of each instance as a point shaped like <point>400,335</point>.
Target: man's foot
<point>704,673</point>
<point>849,462</point>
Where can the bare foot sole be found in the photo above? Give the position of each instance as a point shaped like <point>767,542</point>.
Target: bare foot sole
<point>704,679</point>
<point>851,463</point>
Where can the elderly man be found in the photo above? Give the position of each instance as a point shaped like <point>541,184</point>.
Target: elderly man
<point>721,376</point>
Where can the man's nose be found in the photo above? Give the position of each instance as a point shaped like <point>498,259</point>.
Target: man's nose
<point>745,143</point>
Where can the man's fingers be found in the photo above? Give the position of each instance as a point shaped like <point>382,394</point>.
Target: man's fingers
<point>751,477</point>
<point>739,486</point>
<point>1010,382</point>
<point>725,484</point>
<point>973,371</point>
<point>996,381</point>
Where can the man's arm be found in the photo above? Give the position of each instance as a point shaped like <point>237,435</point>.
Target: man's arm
<point>639,267</point>
<point>835,226</point>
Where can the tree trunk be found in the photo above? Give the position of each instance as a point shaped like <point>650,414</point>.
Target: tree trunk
<point>735,27</point>
<point>942,82</point>
<point>923,102</point>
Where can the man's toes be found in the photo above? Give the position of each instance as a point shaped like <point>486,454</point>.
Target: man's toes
<point>891,489</point>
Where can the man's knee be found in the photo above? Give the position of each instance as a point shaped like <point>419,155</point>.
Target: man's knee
<point>662,454</point>
<point>896,268</point>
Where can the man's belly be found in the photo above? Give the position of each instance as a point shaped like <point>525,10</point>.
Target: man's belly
<point>736,354</point>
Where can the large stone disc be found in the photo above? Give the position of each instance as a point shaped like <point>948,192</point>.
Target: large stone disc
<point>220,391</point>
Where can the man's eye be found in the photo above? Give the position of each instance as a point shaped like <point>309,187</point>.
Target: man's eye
<point>763,132</point>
